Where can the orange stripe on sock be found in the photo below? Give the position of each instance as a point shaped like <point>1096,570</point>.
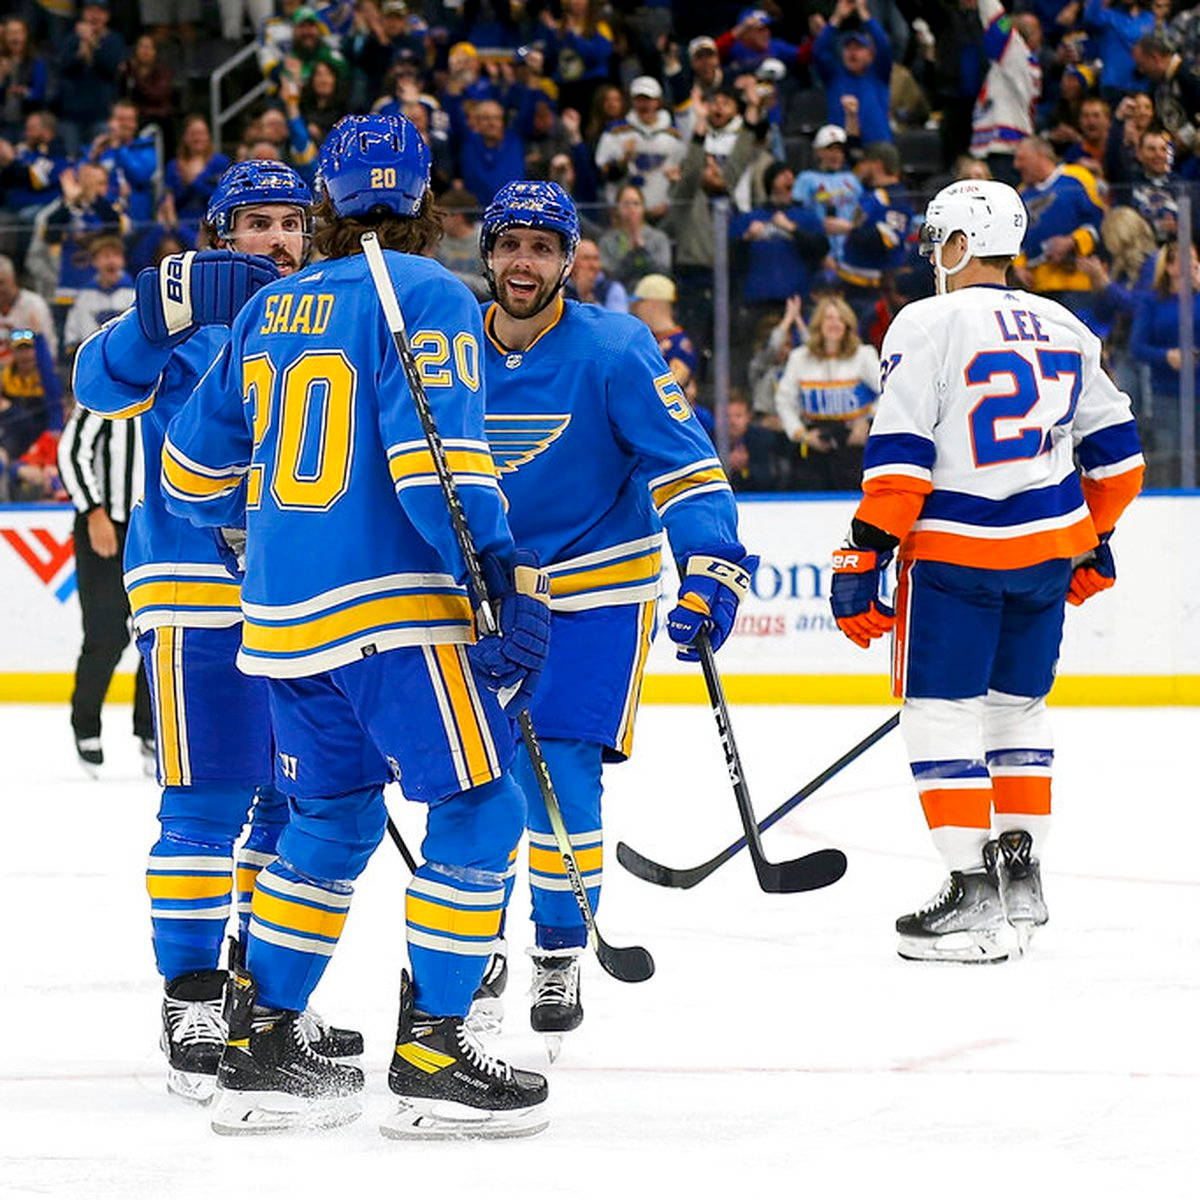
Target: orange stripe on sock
<point>968,808</point>
<point>1028,794</point>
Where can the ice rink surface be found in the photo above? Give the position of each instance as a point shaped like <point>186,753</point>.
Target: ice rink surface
<point>782,1049</point>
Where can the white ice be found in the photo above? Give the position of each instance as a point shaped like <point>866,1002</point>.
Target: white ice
<point>782,1048</point>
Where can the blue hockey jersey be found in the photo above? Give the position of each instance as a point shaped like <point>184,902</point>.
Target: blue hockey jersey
<point>876,243</point>
<point>174,572</point>
<point>598,450</point>
<point>304,426</point>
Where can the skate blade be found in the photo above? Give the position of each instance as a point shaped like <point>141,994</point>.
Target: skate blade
<point>242,1114</point>
<point>553,1043</point>
<point>486,1016</point>
<point>444,1120</point>
<point>953,947</point>
<point>191,1086</point>
<point>1024,929</point>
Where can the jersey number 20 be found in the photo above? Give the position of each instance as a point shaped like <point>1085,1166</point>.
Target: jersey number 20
<point>1029,440</point>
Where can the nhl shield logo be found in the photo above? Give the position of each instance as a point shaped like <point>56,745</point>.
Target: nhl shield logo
<point>513,361</point>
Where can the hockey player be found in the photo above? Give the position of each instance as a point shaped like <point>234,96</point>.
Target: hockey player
<point>987,394</point>
<point>598,450</point>
<point>356,615</point>
<point>214,734</point>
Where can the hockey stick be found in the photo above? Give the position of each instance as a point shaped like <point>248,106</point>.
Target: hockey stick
<point>687,877</point>
<point>405,853</point>
<point>632,964</point>
<point>803,874</point>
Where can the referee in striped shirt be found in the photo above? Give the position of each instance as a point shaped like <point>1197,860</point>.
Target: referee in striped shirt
<point>100,464</point>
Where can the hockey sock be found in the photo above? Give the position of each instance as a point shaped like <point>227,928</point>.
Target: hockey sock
<point>267,821</point>
<point>551,938</point>
<point>1020,758</point>
<point>945,750</point>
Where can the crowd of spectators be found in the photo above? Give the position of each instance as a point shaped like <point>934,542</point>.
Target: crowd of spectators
<point>821,124</point>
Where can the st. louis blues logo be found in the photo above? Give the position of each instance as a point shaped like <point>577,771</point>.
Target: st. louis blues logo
<point>518,438</point>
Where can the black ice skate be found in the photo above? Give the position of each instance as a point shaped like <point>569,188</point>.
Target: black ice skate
<point>487,1005</point>
<point>91,755</point>
<point>1020,880</point>
<point>556,1007</point>
<point>960,924</point>
<point>193,1033</point>
<point>270,1079</point>
<point>327,1040</point>
<point>448,1087</point>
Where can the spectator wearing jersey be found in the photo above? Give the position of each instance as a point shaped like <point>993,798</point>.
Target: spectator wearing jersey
<point>653,304</point>
<point>784,242</point>
<point>749,44</point>
<point>1155,342</point>
<point>131,161</point>
<point>642,149</point>
<point>830,190</point>
<point>1156,186</point>
<point>1117,28</point>
<point>826,398</point>
<point>30,170</point>
<point>856,60</point>
<point>632,249</point>
<point>311,43</point>
<point>109,295</point>
<point>193,173</point>
<point>489,155</point>
<point>90,59</point>
<point>83,213</point>
<point>588,284</point>
<point>1004,111</point>
<point>22,309</point>
<point>1065,211</point>
<point>1175,88</point>
<point>30,396</point>
<point>580,48</point>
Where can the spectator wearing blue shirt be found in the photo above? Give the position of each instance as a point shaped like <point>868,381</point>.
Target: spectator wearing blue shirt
<point>856,61</point>
<point>784,242</point>
<point>30,170</point>
<point>830,190</point>
<point>489,156</point>
<point>580,48</point>
<point>749,44</point>
<point>91,56</point>
<point>193,173</point>
<point>24,78</point>
<point>1117,27</point>
<point>590,285</point>
<point>131,161</point>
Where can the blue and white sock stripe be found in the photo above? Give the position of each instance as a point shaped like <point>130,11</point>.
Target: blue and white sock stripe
<point>296,915</point>
<point>1020,760</point>
<point>453,920</point>
<point>249,864</point>
<point>189,887</point>
<point>547,870</point>
<point>962,772</point>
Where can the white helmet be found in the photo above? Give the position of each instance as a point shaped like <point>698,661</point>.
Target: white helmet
<point>990,214</point>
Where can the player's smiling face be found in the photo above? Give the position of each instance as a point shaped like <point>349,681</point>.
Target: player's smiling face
<point>276,231</point>
<point>527,265</point>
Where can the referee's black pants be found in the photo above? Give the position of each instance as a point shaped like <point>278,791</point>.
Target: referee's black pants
<point>105,635</point>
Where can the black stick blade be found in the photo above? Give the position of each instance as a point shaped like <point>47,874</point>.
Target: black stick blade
<point>805,874</point>
<point>629,964</point>
<point>652,872</point>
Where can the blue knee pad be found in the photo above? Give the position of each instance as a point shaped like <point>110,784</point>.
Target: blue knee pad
<point>190,875</point>
<point>576,768</point>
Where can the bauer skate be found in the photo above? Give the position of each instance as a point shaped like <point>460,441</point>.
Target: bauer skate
<point>448,1087</point>
<point>487,1005</point>
<point>557,1007</point>
<point>1020,880</point>
<point>193,1033</point>
<point>270,1080</point>
<point>960,924</point>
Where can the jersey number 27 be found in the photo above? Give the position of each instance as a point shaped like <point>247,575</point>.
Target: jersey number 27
<point>1028,441</point>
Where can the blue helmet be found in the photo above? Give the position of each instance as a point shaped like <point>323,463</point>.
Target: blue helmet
<point>374,164</point>
<point>530,204</point>
<point>255,181</point>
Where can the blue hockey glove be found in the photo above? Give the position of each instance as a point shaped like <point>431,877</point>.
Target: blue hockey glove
<point>709,595</point>
<point>1095,573</point>
<point>856,594</point>
<point>514,659</point>
<point>200,287</point>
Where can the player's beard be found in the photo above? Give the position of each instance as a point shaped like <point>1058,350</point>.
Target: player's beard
<point>525,305</point>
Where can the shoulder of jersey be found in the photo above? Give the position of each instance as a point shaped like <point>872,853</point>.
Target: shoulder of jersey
<point>605,330</point>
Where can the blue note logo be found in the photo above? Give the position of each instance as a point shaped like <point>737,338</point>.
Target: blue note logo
<point>518,438</point>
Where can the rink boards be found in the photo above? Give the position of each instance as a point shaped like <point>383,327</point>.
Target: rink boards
<point>1136,644</point>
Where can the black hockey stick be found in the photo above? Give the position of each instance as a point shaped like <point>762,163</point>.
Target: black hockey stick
<point>405,853</point>
<point>632,964</point>
<point>804,874</point>
<point>687,877</point>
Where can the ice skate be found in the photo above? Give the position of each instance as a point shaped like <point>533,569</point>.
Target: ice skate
<point>960,924</point>
<point>487,1005</point>
<point>91,756</point>
<point>1020,880</point>
<point>148,750</point>
<point>193,1034</point>
<point>448,1087</point>
<point>270,1080</point>
<point>557,1007</point>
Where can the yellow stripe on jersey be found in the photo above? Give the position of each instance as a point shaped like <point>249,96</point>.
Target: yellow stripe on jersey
<point>171,593</point>
<point>665,493</point>
<point>297,915</point>
<point>411,464</point>
<point>425,608</point>
<point>187,481</point>
<point>631,571</point>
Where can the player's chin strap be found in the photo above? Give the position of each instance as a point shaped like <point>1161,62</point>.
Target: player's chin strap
<point>942,274</point>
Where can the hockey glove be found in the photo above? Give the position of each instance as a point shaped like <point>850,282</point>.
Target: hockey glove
<point>856,594</point>
<point>709,596</point>
<point>1097,572</point>
<point>512,662</point>
<point>231,546</point>
<point>205,287</point>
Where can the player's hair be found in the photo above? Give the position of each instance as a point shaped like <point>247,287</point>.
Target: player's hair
<point>339,237</point>
<point>848,346</point>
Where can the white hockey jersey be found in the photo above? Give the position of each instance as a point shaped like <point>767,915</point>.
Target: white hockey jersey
<point>987,395</point>
<point>1004,112</point>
